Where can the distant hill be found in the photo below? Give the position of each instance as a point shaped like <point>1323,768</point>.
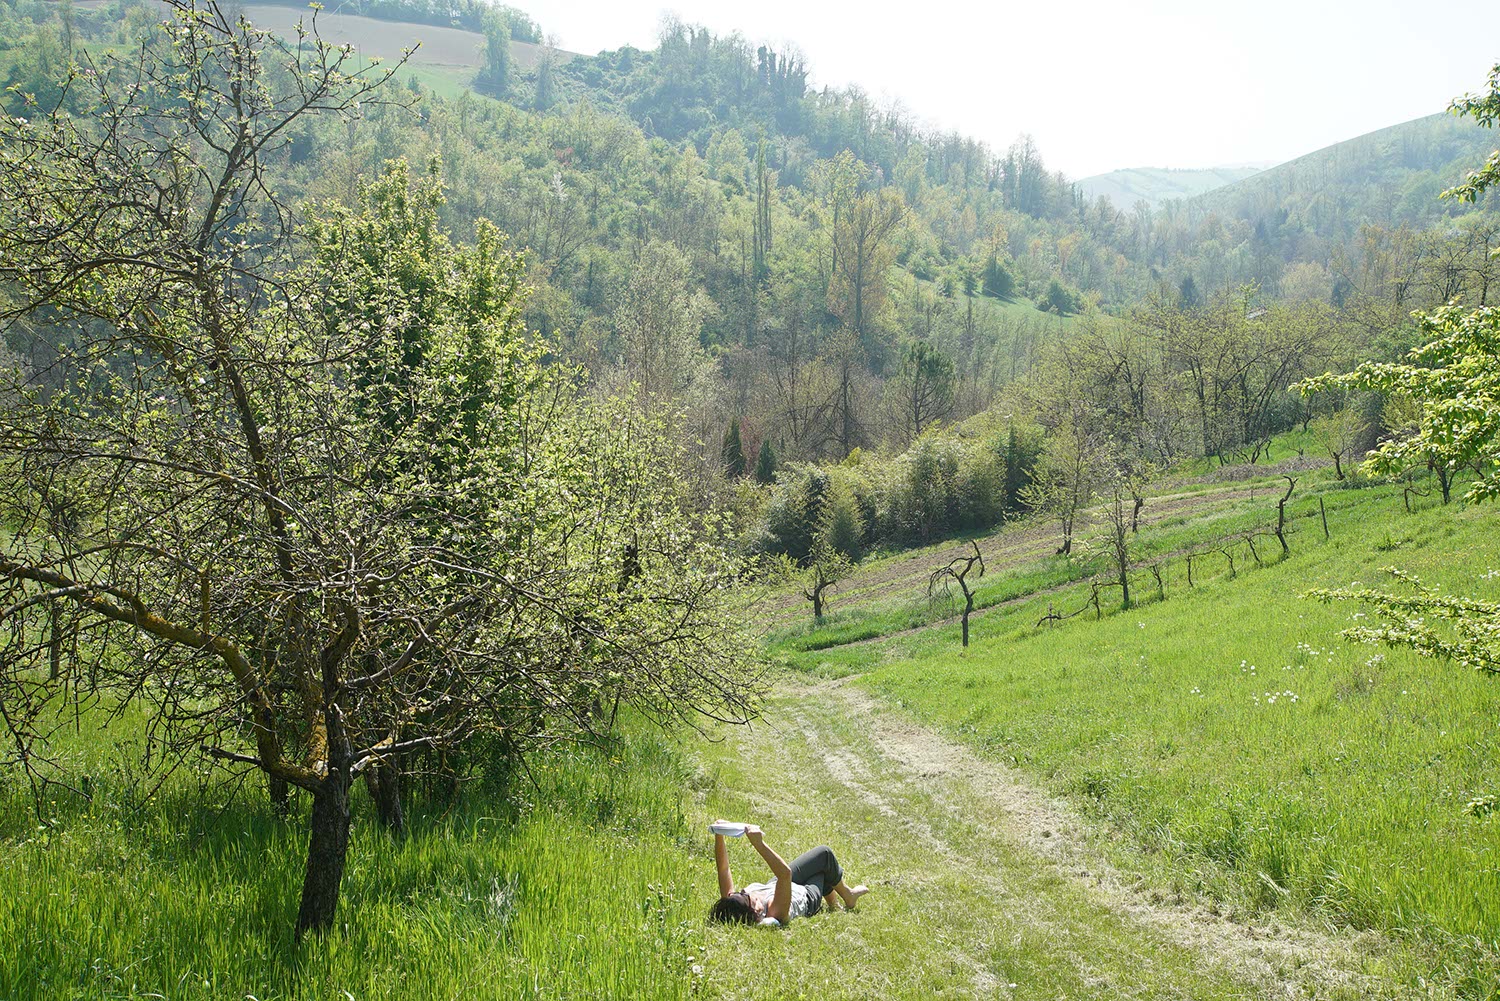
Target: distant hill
<point>441,47</point>
<point>1154,185</point>
<point>1389,177</point>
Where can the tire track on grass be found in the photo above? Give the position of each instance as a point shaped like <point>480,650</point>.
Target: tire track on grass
<point>994,805</point>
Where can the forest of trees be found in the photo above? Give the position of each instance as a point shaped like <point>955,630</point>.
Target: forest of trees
<point>705,230</point>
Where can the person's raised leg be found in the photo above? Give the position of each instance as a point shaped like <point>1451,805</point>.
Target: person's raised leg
<point>820,867</point>
<point>817,867</point>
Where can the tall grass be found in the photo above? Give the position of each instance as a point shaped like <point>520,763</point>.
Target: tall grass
<point>575,887</point>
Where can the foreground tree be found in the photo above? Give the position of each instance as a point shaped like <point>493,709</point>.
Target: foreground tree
<point>1450,387</point>
<point>1485,109</point>
<point>301,491</point>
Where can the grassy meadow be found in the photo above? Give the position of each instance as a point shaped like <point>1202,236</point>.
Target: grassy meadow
<point>1241,750</point>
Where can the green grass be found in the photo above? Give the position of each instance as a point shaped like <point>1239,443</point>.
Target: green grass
<point>963,904</point>
<point>1345,800</point>
<point>578,888</point>
<point>858,617</point>
<point>447,82</point>
<point>1345,805</point>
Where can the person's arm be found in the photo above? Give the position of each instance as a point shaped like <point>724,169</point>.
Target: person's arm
<point>721,860</point>
<point>781,903</point>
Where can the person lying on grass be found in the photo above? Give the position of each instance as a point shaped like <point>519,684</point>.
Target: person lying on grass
<point>800,890</point>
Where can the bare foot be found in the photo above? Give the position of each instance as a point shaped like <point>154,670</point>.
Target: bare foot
<point>852,895</point>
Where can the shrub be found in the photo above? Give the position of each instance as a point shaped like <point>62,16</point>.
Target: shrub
<point>921,496</point>
<point>792,515</point>
<point>841,525</point>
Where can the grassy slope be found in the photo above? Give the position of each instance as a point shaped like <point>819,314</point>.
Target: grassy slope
<point>962,906</point>
<point>1345,801</point>
<point>444,64</point>
<point>1344,805</point>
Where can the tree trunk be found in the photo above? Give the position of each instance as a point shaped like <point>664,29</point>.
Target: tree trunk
<point>384,783</point>
<point>846,426</point>
<point>277,789</point>
<point>326,850</point>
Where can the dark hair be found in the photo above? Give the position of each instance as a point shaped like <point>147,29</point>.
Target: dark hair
<point>735,907</point>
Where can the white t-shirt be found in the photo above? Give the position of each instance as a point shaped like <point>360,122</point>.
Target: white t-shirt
<point>804,903</point>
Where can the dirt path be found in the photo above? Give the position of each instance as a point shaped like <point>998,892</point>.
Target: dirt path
<point>987,887</point>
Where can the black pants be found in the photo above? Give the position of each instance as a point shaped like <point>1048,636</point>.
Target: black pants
<point>818,869</point>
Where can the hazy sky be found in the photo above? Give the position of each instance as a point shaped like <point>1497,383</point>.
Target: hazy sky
<point>1101,84</point>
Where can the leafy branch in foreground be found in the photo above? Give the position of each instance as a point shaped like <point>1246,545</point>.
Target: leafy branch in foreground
<point>1454,382</point>
<point>1472,638</point>
<point>1484,109</point>
<point>1450,388</point>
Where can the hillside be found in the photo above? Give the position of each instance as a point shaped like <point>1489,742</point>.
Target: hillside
<point>1389,177</point>
<point>440,47</point>
<point>1044,809</point>
<point>1155,185</point>
<point>1219,738</point>
<point>427,501</point>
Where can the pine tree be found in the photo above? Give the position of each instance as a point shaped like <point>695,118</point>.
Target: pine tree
<point>732,454</point>
<point>1021,452</point>
<point>765,463</point>
<point>1187,294</point>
